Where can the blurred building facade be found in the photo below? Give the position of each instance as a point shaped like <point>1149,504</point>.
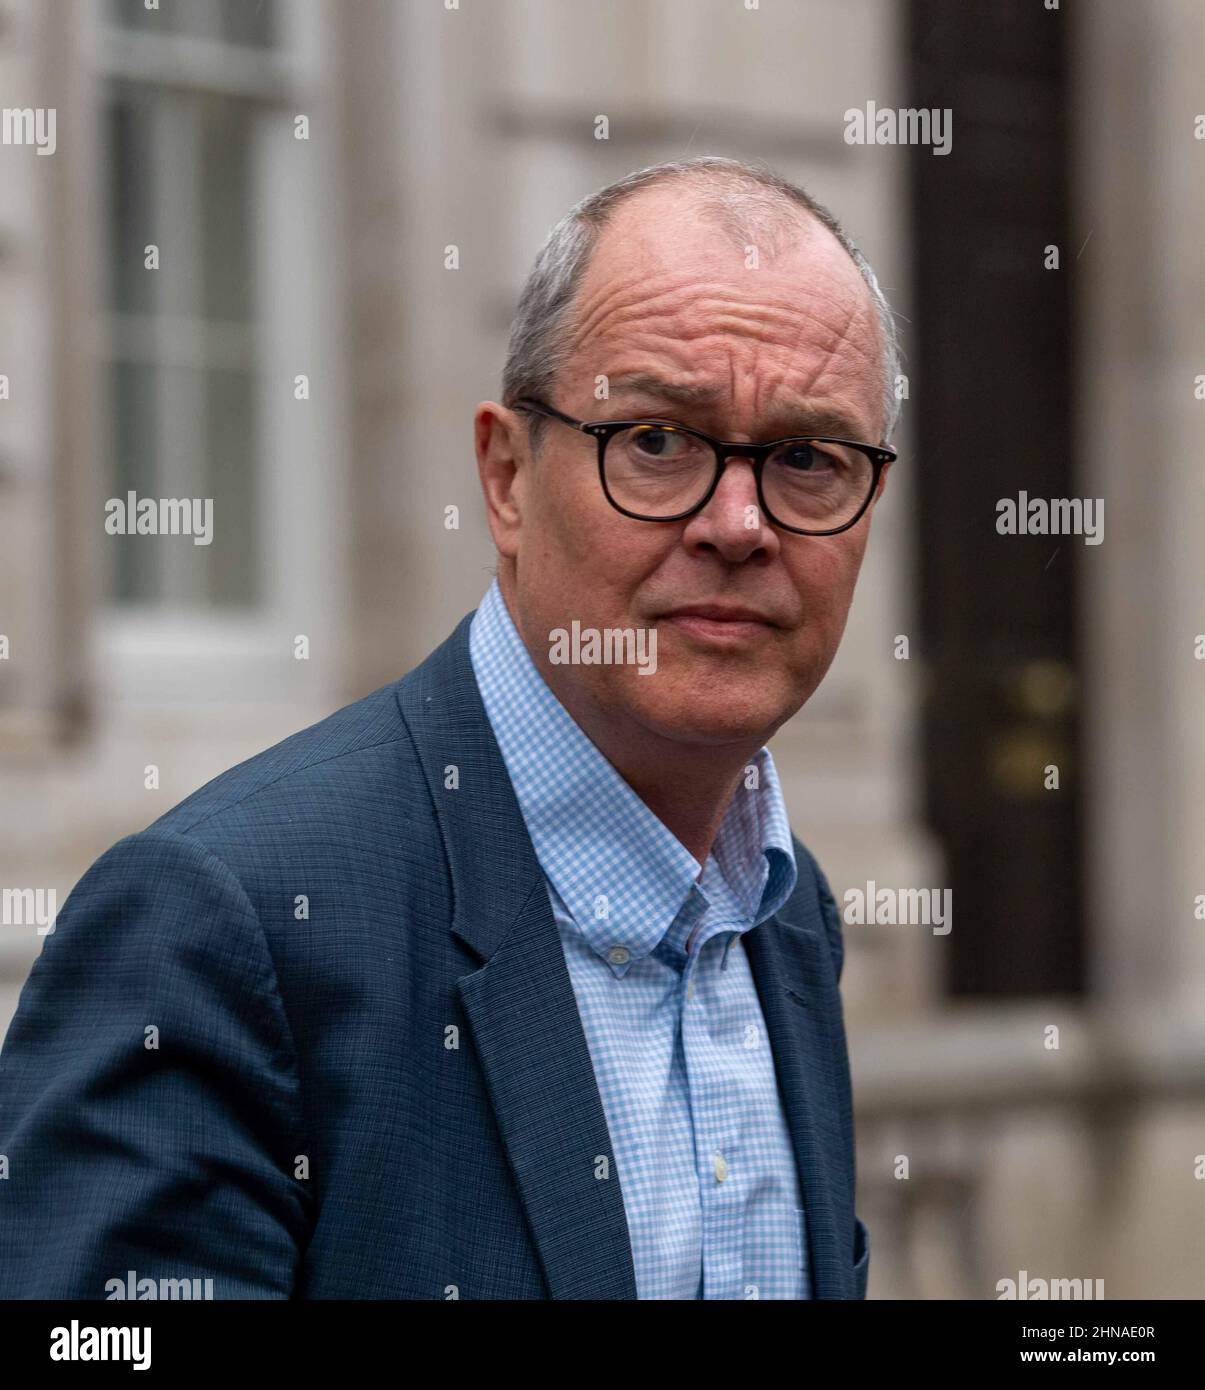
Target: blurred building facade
<point>272,261</point>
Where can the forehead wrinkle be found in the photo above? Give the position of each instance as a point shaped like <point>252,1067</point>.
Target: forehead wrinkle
<point>827,334</point>
<point>690,317</point>
<point>643,298</point>
<point>811,353</point>
<point>780,407</point>
<point>777,386</point>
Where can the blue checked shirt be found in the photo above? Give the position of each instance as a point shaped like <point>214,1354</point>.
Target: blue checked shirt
<point>663,985</point>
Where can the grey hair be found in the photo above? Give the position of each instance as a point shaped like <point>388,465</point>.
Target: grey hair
<point>538,349</point>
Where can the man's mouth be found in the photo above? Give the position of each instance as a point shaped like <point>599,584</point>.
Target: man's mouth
<point>717,622</point>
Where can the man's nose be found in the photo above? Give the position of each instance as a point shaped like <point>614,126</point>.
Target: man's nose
<point>733,521</point>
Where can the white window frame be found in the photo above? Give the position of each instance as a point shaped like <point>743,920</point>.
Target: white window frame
<point>169,654</point>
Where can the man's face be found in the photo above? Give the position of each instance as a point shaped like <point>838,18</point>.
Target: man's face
<point>744,354</point>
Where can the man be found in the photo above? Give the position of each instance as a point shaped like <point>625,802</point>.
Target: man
<point>510,980</point>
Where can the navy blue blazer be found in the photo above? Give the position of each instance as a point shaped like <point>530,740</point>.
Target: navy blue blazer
<point>312,1034</point>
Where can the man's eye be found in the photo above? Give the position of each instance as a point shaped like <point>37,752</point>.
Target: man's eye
<point>653,442</point>
<point>806,458</point>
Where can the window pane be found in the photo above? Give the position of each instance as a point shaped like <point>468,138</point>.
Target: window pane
<point>233,21</point>
<point>249,22</point>
<point>129,201</point>
<point>218,467</point>
<point>233,576</point>
<point>135,569</point>
<point>133,14</point>
<point>226,135</point>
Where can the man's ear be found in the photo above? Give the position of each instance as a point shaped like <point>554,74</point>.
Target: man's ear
<point>503,465</point>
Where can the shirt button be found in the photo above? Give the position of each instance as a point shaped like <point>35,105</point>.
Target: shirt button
<point>619,955</point>
<point>690,990</point>
<point>721,1167</point>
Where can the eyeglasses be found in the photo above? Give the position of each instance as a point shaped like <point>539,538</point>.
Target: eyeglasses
<point>657,470</point>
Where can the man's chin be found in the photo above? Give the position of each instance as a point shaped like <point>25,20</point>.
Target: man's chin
<point>735,716</point>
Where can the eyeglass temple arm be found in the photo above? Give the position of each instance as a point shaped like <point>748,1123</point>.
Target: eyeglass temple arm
<point>526,403</point>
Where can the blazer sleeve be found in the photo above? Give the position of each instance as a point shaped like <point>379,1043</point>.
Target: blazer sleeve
<point>149,1093</point>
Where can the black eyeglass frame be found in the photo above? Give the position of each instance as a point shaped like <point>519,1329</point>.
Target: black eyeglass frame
<point>602,430</point>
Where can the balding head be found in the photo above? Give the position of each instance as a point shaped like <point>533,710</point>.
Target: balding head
<point>753,205</point>
<point>671,276</point>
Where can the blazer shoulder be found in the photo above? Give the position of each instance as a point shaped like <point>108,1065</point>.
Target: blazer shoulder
<point>343,749</point>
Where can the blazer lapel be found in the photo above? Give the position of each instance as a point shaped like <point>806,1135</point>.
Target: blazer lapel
<point>520,1003</point>
<point>797,987</point>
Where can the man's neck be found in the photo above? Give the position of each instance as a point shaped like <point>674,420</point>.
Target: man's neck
<point>690,800</point>
<point>688,786</point>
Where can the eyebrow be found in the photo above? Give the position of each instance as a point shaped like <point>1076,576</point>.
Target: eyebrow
<point>803,417</point>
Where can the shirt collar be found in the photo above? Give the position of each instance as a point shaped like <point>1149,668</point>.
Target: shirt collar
<point>620,872</point>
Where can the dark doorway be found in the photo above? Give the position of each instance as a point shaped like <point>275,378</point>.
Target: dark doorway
<point>990,363</point>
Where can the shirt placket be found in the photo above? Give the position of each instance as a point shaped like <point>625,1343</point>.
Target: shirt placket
<point>717,1163</point>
